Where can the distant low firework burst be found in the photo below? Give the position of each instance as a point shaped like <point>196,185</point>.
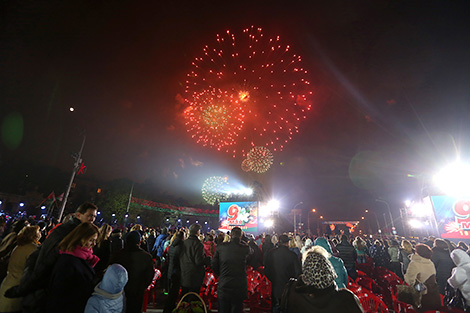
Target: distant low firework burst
<point>213,189</point>
<point>260,159</point>
<point>247,90</point>
<point>246,167</point>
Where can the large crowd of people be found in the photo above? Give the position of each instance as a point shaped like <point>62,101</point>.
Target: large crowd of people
<point>77,267</point>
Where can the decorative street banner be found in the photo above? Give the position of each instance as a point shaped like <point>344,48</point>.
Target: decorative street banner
<point>453,216</point>
<point>241,214</point>
<point>173,209</point>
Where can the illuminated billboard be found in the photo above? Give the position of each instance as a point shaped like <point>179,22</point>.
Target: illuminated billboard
<point>453,216</point>
<point>241,214</point>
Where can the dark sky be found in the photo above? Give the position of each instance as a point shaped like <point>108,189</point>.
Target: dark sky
<point>391,82</point>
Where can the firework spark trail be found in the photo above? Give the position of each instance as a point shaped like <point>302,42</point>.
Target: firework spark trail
<point>250,90</point>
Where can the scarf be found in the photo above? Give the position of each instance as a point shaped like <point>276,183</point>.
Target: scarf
<point>84,254</point>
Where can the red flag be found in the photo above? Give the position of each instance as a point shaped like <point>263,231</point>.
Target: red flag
<point>51,196</point>
<point>60,197</point>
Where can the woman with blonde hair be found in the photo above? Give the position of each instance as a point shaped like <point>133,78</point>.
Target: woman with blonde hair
<point>103,248</point>
<point>27,241</point>
<point>136,227</point>
<point>293,247</point>
<point>71,282</point>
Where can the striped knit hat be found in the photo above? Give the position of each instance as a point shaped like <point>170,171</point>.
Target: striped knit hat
<point>318,271</point>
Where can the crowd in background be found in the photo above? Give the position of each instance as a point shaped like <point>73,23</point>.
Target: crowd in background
<point>78,267</point>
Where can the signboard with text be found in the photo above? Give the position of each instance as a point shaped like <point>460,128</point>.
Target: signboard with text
<point>241,214</point>
<point>453,216</point>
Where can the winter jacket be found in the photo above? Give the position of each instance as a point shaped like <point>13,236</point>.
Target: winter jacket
<point>404,257</point>
<point>174,252</point>
<point>300,298</point>
<point>159,244</point>
<point>104,253</point>
<point>39,267</point>
<point>108,295</point>
<point>71,285</point>
<point>16,267</point>
<point>380,256</point>
<point>280,266</point>
<point>444,265</point>
<point>209,248</point>
<point>420,268</point>
<point>348,254</point>
<point>229,263</point>
<point>393,251</point>
<point>342,279</point>
<point>140,272</point>
<point>192,263</point>
<point>254,259</point>
<point>461,274</point>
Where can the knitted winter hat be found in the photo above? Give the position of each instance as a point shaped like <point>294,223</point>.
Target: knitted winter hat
<point>132,238</point>
<point>318,271</point>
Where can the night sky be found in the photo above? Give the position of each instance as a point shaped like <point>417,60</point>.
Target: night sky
<point>391,82</point>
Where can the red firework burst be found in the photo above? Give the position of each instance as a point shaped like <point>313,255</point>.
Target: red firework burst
<point>247,90</point>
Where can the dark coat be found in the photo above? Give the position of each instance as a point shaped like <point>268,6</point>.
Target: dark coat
<point>254,259</point>
<point>174,252</point>
<point>117,243</point>
<point>229,263</point>
<point>281,265</point>
<point>192,263</point>
<point>71,285</point>
<point>380,256</point>
<point>348,254</point>
<point>265,248</point>
<point>140,270</point>
<point>104,253</point>
<point>299,298</point>
<point>444,265</point>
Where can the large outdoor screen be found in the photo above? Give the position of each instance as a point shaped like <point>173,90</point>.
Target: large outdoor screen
<point>241,214</point>
<point>453,216</point>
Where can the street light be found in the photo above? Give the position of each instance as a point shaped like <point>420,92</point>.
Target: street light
<point>295,217</point>
<point>376,219</point>
<point>389,212</point>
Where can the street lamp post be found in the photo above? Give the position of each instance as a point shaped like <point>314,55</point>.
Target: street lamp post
<point>376,219</point>
<point>295,217</point>
<point>389,212</point>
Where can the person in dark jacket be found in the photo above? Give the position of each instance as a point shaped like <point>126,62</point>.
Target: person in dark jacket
<point>315,290</point>
<point>229,263</point>
<point>40,263</point>
<point>266,246</point>
<point>174,272</point>
<point>348,254</point>
<point>192,261</point>
<point>103,249</point>
<point>140,270</point>
<point>443,263</point>
<point>281,264</point>
<point>71,282</point>
<point>254,259</point>
<point>378,253</point>
<point>117,243</point>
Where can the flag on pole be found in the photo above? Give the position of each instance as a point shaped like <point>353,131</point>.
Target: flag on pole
<point>51,196</point>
